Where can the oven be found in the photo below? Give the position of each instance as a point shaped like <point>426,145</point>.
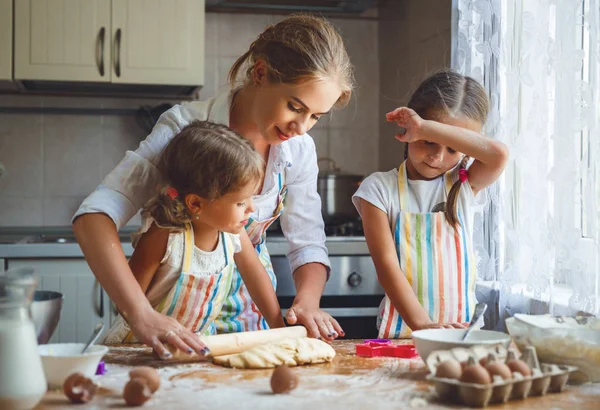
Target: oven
<point>352,294</point>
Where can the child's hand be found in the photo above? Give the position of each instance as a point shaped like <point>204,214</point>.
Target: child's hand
<point>444,326</point>
<point>409,120</point>
<point>318,323</point>
<point>154,329</point>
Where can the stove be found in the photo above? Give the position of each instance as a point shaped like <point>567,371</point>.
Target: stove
<point>352,294</point>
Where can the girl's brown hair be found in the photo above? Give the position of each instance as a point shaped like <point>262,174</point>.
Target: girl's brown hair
<point>205,159</point>
<point>453,94</point>
<point>300,48</point>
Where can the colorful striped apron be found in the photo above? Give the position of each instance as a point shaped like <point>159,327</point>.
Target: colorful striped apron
<point>239,313</point>
<point>196,300</point>
<point>438,262</point>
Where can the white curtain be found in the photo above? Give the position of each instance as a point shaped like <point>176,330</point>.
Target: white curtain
<point>540,63</point>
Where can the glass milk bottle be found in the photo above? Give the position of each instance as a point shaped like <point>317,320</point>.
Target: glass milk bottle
<point>22,381</point>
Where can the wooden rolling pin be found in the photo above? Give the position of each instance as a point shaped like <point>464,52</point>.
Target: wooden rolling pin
<point>230,343</point>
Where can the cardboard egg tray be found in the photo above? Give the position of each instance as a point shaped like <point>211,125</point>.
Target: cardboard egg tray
<point>545,378</point>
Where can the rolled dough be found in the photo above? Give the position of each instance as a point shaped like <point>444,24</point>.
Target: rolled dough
<point>290,352</point>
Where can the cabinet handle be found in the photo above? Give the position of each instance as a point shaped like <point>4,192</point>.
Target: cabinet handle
<point>98,300</point>
<point>117,53</point>
<point>100,50</point>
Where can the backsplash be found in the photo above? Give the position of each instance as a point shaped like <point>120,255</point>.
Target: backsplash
<point>54,161</point>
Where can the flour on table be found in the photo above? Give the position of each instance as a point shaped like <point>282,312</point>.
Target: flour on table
<point>289,352</point>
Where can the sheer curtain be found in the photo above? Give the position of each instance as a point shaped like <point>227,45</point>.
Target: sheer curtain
<point>540,62</point>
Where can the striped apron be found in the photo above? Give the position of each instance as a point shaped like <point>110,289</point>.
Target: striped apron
<point>438,262</point>
<point>196,300</point>
<point>239,313</point>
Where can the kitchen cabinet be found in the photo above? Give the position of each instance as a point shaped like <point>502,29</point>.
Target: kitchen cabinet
<point>5,39</point>
<point>64,40</point>
<point>116,41</point>
<point>158,42</point>
<point>85,303</point>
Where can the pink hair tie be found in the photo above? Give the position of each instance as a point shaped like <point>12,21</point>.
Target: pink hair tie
<point>463,175</point>
<point>172,192</point>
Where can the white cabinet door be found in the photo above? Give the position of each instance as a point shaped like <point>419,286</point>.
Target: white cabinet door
<point>158,42</point>
<point>62,40</point>
<point>6,22</point>
<point>84,303</point>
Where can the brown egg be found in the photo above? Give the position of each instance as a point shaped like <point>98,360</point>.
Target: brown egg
<point>78,388</point>
<point>496,368</point>
<point>149,373</point>
<point>449,369</point>
<point>475,373</point>
<point>519,366</point>
<point>137,392</point>
<point>283,380</point>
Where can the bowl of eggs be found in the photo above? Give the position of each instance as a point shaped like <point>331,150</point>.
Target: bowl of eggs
<point>429,340</point>
<point>60,360</point>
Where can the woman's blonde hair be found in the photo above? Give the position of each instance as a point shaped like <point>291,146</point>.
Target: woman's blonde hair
<point>297,49</point>
<point>205,159</point>
<point>453,94</point>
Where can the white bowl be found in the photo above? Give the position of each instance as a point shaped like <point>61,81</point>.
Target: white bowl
<point>430,340</point>
<point>60,360</point>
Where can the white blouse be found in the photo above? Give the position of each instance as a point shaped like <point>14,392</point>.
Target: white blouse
<point>135,180</point>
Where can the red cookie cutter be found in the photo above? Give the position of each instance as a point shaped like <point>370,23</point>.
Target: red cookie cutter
<point>384,347</point>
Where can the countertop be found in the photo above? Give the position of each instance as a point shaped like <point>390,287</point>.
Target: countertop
<point>349,382</point>
<point>21,243</point>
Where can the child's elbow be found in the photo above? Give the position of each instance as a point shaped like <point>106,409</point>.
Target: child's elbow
<point>501,154</point>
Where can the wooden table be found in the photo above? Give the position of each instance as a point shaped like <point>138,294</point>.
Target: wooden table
<point>349,382</point>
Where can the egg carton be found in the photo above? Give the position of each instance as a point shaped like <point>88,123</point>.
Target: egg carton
<point>545,377</point>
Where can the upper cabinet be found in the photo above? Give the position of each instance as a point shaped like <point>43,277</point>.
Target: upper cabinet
<point>158,42</point>
<point>117,41</point>
<point>6,39</point>
<point>62,40</point>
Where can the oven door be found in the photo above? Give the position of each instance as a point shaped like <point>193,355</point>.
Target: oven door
<point>352,294</point>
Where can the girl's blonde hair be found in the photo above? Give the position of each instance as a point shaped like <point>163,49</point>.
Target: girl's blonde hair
<point>297,49</point>
<point>205,159</point>
<point>453,94</point>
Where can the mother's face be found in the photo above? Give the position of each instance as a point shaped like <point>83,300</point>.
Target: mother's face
<point>283,111</point>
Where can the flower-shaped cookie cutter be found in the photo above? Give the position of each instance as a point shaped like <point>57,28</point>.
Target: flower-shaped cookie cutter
<point>384,347</point>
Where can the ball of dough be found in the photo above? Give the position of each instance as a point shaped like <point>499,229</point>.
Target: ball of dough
<point>149,373</point>
<point>283,380</point>
<point>137,392</point>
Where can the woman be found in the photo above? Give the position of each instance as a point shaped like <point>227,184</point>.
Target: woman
<point>297,71</point>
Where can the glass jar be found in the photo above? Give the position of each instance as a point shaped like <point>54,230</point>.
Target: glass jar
<point>22,381</point>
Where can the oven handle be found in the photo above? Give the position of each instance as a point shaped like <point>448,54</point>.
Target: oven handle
<point>347,312</point>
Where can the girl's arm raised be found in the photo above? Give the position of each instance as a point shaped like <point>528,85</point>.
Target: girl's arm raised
<point>490,155</point>
<point>392,279</point>
<point>258,282</point>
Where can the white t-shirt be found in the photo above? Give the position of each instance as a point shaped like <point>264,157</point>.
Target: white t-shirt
<point>381,190</point>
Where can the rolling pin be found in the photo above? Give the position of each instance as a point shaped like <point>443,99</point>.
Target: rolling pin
<point>230,343</point>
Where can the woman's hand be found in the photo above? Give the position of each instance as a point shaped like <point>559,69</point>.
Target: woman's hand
<point>155,329</point>
<point>409,120</point>
<point>319,323</point>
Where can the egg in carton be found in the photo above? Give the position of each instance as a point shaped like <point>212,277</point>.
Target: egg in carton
<point>459,375</point>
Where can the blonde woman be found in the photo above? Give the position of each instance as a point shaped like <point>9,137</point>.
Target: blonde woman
<point>297,71</point>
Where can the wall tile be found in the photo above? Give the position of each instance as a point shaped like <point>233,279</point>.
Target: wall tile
<point>72,154</point>
<point>211,79</point>
<point>120,133</point>
<point>321,139</point>
<point>354,150</point>
<point>21,155</point>
<point>58,211</point>
<point>20,100</point>
<point>238,31</point>
<point>19,211</point>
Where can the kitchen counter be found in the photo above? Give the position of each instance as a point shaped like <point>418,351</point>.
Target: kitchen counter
<point>24,243</point>
<point>349,382</point>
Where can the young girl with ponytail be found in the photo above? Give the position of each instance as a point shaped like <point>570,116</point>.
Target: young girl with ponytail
<point>189,245</point>
<point>418,218</point>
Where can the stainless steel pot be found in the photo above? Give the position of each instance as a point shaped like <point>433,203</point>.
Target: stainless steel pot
<point>336,189</point>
